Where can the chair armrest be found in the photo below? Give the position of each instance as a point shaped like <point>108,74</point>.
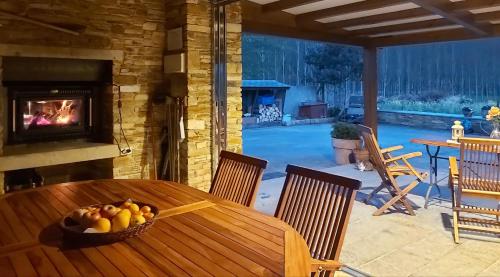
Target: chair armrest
<point>405,157</point>
<point>453,167</point>
<point>324,265</point>
<point>391,149</point>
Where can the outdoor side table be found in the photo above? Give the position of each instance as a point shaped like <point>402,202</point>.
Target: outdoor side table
<point>433,162</point>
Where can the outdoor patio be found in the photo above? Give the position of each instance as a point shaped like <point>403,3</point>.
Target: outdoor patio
<point>397,244</point>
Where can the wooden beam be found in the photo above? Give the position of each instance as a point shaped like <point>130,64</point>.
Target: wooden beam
<point>349,8</point>
<point>284,24</point>
<point>439,7</point>
<point>285,4</point>
<point>293,32</point>
<point>370,87</point>
<point>379,18</point>
<point>38,22</point>
<point>490,16</point>
<point>471,5</point>
<point>427,37</point>
<point>440,22</point>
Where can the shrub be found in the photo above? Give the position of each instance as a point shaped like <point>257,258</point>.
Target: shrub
<point>343,130</point>
<point>449,105</point>
<point>431,96</point>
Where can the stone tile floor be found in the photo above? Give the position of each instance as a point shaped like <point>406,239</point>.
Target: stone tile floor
<point>397,244</point>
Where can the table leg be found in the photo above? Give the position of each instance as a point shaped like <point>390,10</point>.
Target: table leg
<point>433,174</point>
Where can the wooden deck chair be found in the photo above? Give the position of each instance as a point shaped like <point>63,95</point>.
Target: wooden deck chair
<point>477,176</point>
<point>390,168</point>
<point>238,178</point>
<point>318,205</point>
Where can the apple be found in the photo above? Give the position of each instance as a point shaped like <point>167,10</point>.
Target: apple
<point>89,218</point>
<point>108,211</point>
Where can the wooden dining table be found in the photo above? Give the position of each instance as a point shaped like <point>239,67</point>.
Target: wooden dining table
<point>194,233</point>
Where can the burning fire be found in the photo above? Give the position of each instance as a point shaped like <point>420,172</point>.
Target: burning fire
<point>51,112</point>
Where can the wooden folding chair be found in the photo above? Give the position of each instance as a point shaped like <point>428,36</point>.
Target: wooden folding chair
<point>318,206</point>
<point>238,178</point>
<point>390,168</point>
<point>477,176</point>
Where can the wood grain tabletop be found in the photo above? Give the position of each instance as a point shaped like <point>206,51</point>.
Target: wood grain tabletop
<point>436,143</point>
<point>195,233</point>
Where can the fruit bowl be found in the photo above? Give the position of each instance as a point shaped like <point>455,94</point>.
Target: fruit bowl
<point>108,223</point>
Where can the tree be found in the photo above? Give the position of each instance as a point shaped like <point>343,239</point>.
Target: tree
<point>333,65</point>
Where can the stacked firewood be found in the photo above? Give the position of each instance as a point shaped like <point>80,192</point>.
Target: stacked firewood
<point>269,113</point>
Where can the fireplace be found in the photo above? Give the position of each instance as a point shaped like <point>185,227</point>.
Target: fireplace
<point>50,112</point>
<point>50,99</point>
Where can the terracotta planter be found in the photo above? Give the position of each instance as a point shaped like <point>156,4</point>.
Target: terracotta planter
<point>344,150</point>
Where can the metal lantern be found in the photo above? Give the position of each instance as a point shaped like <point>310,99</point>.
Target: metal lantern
<point>457,131</point>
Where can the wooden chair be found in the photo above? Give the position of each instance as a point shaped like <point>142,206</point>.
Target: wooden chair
<point>390,168</point>
<point>318,206</point>
<point>238,178</point>
<point>477,176</point>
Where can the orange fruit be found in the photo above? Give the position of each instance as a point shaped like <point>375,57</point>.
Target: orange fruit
<point>146,209</point>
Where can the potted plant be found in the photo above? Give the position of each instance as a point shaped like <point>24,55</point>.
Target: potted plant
<point>345,139</point>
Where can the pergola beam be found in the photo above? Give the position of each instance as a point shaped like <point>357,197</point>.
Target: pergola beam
<point>378,18</point>
<point>285,4</point>
<point>472,4</point>
<point>284,24</point>
<point>440,22</point>
<point>489,16</point>
<point>440,7</point>
<point>349,8</point>
<point>424,37</point>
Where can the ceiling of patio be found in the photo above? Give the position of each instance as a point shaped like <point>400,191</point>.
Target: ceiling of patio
<point>374,22</point>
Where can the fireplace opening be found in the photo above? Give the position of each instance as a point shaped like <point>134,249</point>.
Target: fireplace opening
<point>51,112</point>
<point>53,99</point>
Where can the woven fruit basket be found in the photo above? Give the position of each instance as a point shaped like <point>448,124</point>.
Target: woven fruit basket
<point>108,223</point>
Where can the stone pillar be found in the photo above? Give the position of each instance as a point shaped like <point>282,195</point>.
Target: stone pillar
<point>196,154</point>
<point>198,46</point>
<point>234,76</point>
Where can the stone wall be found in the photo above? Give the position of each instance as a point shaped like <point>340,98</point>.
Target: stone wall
<point>134,27</point>
<point>138,28</point>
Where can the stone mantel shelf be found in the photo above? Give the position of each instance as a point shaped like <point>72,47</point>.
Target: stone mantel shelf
<point>54,153</point>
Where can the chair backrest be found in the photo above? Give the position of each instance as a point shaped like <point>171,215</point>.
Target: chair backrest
<point>479,164</point>
<point>376,156</point>
<point>318,206</point>
<point>238,178</point>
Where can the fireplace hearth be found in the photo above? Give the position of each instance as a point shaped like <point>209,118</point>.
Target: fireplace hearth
<point>46,112</point>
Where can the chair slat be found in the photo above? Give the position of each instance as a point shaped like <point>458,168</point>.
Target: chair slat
<point>317,205</point>
<point>238,178</point>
